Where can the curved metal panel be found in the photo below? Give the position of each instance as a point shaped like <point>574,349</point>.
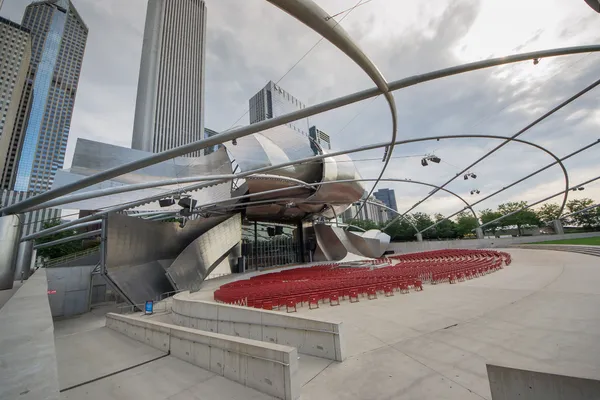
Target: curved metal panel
<point>204,254</point>
<point>90,157</point>
<point>9,243</point>
<point>330,244</point>
<point>137,251</point>
<point>383,238</point>
<point>367,246</point>
<point>276,146</point>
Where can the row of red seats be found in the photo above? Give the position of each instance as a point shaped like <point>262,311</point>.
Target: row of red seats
<point>324,281</point>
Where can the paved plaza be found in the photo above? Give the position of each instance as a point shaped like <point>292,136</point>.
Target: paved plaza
<point>539,313</point>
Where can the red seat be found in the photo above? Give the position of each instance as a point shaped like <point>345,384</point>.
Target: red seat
<point>313,300</point>
<point>290,304</point>
<point>371,293</point>
<point>334,299</point>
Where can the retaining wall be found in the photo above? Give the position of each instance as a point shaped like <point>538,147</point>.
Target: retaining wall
<point>512,383</point>
<point>315,337</point>
<point>415,247</point>
<point>266,367</point>
<point>28,368</point>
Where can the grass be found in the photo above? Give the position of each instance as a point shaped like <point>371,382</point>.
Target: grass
<point>591,241</point>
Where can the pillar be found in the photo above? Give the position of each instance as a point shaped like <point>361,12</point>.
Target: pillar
<point>479,233</point>
<point>419,237</point>
<point>24,257</point>
<point>9,242</point>
<point>558,227</point>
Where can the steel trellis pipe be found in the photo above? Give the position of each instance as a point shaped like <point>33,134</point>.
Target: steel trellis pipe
<point>313,16</point>
<point>580,211</point>
<point>538,202</point>
<point>566,193</point>
<point>532,124</point>
<point>284,119</point>
<point>216,179</point>
<point>245,174</point>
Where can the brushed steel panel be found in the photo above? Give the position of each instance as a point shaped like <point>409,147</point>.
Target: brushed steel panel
<point>9,244</point>
<point>138,250</point>
<point>383,238</point>
<point>366,245</point>
<point>204,254</point>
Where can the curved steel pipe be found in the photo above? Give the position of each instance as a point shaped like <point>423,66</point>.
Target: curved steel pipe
<point>508,140</point>
<point>313,16</point>
<point>215,179</point>
<point>284,119</point>
<point>521,180</point>
<point>538,202</point>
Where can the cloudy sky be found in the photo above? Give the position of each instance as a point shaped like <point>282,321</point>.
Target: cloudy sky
<point>251,42</point>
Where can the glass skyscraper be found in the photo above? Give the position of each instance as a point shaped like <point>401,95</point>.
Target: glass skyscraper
<point>272,101</point>
<point>388,197</point>
<point>59,36</point>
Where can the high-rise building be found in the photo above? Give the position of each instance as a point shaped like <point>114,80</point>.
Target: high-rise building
<point>208,133</point>
<point>388,197</point>
<point>320,138</point>
<point>15,48</point>
<point>58,36</point>
<point>32,221</point>
<point>169,110</point>
<point>271,102</point>
<point>372,211</point>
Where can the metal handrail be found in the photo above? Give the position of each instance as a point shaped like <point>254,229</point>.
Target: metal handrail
<point>70,257</point>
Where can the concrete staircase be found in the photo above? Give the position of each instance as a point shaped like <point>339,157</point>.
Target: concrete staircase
<point>589,250</point>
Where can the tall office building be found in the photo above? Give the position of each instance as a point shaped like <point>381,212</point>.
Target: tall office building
<point>319,138</point>
<point>271,102</point>
<point>15,50</point>
<point>169,110</point>
<point>58,36</point>
<point>388,197</point>
<point>371,211</point>
<point>208,133</point>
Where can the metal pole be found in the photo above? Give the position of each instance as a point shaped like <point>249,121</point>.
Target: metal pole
<point>521,180</point>
<point>538,202</point>
<point>69,239</point>
<point>284,119</point>
<point>525,129</point>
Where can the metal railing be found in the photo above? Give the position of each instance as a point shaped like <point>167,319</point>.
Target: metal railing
<point>70,257</point>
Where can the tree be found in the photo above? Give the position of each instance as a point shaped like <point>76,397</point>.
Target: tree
<point>465,223</point>
<point>488,215</point>
<point>548,212</point>
<point>588,219</point>
<point>446,229</point>
<point>519,219</point>
<point>59,250</point>
<point>366,225</point>
<point>423,221</point>
<point>401,231</point>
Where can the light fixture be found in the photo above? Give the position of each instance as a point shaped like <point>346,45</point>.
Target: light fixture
<point>435,159</point>
<point>431,158</point>
<point>536,61</point>
<point>166,202</point>
<point>182,222</point>
<point>580,188</point>
<point>466,177</point>
<point>475,191</point>
<point>424,162</point>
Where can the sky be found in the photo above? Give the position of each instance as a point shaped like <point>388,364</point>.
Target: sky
<point>250,42</point>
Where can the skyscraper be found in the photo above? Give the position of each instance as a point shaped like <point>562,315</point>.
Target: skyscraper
<point>15,48</point>
<point>59,36</point>
<point>169,110</point>
<point>272,101</point>
<point>320,138</point>
<point>388,197</point>
<point>208,133</point>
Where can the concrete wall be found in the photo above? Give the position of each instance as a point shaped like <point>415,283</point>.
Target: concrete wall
<point>73,290</point>
<point>314,337</point>
<point>266,367</point>
<point>511,383</point>
<point>414,247</point>
<point>28,368</point>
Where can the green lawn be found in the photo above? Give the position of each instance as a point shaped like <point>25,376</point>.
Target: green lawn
<point>591,241</point>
